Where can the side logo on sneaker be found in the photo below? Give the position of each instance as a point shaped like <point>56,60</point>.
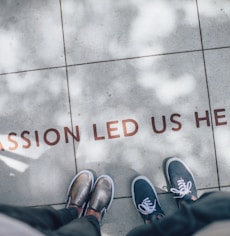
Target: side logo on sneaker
<point>147,207</point>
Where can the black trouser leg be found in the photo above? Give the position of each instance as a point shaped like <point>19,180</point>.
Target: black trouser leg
<point>54,222</point>
<point>190,218</point>
<point>45,218</point>
<point>84,226</point>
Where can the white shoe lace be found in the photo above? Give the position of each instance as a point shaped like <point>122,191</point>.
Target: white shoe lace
<point>184,188</point>
<point>147,207</point>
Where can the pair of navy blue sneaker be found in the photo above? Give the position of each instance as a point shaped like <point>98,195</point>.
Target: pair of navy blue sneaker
<point>181,183</point>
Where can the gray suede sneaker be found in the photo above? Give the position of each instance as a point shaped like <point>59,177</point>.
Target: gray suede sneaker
<point>80,189</point>
<point>102,195</point>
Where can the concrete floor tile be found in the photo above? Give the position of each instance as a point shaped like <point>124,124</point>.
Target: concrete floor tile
<point>218,69</point>
<point>128,115</point>
<point>31,35</point>
<point>133,114</point>
<point>214,19</point>
<point>106,30</point>
<point>227,189</point>
<point>37,163</point>
<point>202,191</point>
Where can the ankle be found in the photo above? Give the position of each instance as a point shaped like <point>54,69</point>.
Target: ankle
<point>93,213</point>
<point>187,201</point>
<point>193,198</point>
<point>155,218</point>
<point>147,222</point>
<point>79,209</point>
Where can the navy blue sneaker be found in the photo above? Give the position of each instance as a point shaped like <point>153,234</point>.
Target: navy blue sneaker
<point>145,199</point>
<point>180,179</point>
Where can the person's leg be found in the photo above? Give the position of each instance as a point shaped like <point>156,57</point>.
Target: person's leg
<point>144,230</point>
<point>190,217</point>
<point>100,200</point>
<point>44,218</point>
<point>84,226</point>
<point>182,184</point>
<point>192,214</point>
<point>47,218</point>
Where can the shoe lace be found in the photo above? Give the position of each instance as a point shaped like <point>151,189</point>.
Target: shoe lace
<point>147,207</point>
<point>184,188</point>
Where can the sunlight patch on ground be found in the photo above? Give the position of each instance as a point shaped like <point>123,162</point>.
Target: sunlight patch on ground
<point>8,48</point>
<point>15,145</point>
<point>213,8</point>
<point>223,141</point>
<point>16,165</point>
<point>168,89</point>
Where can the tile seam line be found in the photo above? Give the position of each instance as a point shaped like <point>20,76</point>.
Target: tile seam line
<point>162,193</point>
<point>32,70</point>
<point>67,81</point>
<point>130,196</point>
<point>209,99</point>
<point>133,58</point>
<point>146,56</point>
<point>113,60</point>
<point>102,61</point>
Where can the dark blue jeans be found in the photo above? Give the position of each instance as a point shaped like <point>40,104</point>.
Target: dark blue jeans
<point>53,222</point>
<point>190,218</point>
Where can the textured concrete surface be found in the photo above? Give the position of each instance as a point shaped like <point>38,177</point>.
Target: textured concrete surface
<point>114,86</point>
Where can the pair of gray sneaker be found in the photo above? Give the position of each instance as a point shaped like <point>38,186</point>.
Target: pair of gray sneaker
<point>85,193</point>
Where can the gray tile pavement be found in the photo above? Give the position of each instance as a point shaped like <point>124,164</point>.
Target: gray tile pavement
<point>31,35</point>
<point>116,87</point>
<point>35,153</point>
<point>214,19</point>
<point>107,30</point>
<point>218,75</point>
